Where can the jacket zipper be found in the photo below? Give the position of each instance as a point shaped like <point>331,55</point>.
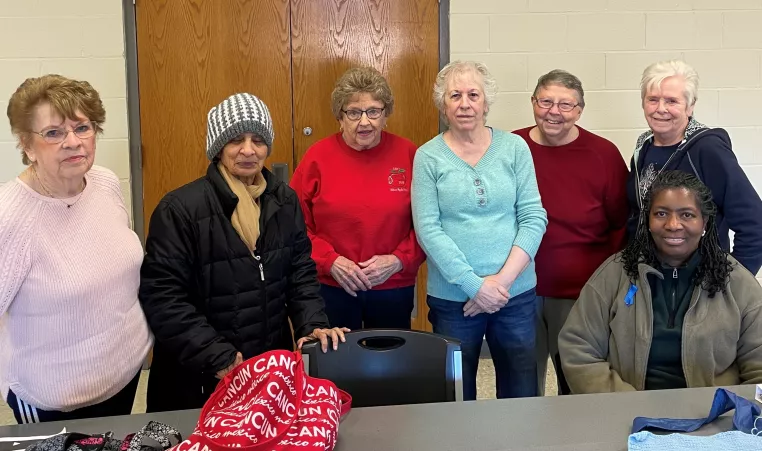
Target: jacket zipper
<point>673,307</point>
<point>261,268</point>
<point>258,258</point>
<point>647,293</point>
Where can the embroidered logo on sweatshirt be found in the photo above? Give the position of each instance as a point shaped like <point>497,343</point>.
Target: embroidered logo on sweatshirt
<point>398,180</point>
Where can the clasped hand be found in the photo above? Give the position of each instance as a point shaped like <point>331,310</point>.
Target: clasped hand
<point>490,298</point>
<point>363,276</point>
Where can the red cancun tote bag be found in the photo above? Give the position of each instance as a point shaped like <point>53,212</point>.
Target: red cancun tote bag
<point>268,403</point>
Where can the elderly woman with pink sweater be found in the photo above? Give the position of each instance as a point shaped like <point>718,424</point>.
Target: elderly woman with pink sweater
<point>73,335</point>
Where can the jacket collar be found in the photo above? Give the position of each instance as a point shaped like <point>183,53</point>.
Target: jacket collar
<point>229,200</point>
<point>694,129</point>
<point>644,269</point>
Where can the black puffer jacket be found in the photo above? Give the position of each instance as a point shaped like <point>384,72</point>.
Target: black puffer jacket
<point>207,297</point>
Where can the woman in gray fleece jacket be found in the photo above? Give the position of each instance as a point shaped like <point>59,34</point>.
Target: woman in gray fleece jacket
<point>673,310</point>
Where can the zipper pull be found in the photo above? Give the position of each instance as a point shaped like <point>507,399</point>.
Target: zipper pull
<point>674,273</point>
<point>261,268</point>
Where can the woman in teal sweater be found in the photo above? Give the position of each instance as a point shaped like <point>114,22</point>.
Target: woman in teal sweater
<point>478,217</point>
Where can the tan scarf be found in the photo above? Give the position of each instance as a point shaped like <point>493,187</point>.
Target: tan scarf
<point>245,218</point>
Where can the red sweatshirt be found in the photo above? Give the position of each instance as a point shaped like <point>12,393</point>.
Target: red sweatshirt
<point>357,205</point>
<point>583,188</point>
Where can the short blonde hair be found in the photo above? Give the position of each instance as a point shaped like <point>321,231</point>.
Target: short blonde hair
<point>457,68</point>
<point>65,96</point>
<point>357,81</point>
<point>656,73</point>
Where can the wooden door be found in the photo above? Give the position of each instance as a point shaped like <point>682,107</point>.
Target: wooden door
<point>192,54</point>
<point>400,38</point>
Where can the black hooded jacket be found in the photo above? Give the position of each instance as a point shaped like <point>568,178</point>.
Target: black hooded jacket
<point>707,153</point>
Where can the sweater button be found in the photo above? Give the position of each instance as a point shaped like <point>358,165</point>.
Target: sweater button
<point>482,202</point>
<point>480,191</point>
<point>477,182</point>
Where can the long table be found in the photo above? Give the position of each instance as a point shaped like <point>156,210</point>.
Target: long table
<point>570,423</point>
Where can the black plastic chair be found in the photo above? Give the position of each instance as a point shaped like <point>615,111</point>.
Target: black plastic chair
<point>383,367</point>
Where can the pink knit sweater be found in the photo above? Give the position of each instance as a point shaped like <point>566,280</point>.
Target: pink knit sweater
<point>72,333</point>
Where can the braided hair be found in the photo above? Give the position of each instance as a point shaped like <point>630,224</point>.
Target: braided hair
<point>714,268</point>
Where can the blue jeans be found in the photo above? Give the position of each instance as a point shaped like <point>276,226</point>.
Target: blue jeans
<point>510,335</point>
<point>372,309</point>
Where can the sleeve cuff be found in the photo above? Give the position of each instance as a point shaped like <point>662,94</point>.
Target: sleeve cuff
<point>325,266</point>
<point>404,262</point>
<point>223,360</point>
<point>471,284</point>
<point>527,244</point>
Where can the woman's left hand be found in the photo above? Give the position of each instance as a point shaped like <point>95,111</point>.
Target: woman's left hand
<point>380,267</point>
<point>336,334</point>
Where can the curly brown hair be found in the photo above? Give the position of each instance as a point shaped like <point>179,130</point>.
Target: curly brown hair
<point>357,81</point>
<point>65,96</point>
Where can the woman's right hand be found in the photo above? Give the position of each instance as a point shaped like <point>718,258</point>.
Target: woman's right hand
<point>490,298</point>
<point>350,276</point>
<point>238,360</point>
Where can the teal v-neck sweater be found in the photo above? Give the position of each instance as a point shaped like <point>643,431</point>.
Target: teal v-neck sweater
<point>467,218</point>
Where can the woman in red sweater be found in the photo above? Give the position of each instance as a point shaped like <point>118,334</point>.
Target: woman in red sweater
<point>582,179</point>
<point>354,187</point>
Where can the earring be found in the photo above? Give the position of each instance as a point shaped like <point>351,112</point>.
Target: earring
<point>703,233</point>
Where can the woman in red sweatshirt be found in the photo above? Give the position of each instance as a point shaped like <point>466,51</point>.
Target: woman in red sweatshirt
<point>354,187</point>
<point>582,179</point>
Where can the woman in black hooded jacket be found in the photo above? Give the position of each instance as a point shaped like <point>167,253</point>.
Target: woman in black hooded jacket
<point>677,141</point>
<point>227,265</point>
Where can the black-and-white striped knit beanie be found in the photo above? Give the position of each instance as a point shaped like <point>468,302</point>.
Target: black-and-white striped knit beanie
<point>239,113</point>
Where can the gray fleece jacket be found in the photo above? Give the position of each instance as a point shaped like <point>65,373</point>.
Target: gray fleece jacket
<point>605,342</point>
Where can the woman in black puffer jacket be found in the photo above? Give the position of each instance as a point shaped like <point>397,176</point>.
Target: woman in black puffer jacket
<point>227,265</point>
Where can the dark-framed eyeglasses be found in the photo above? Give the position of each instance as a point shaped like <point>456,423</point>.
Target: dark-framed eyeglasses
<point>372,113</point>
<point>57,135</point>
<point>547,104</point>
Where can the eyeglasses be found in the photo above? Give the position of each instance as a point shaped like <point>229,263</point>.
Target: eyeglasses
<point>547,104</point>
<point>57,135</point>
<point>372,113</point>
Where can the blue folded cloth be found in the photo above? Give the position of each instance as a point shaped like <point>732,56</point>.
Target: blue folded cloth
<point>744,417</point>
<point>746,436</point>
<point>725,441</point>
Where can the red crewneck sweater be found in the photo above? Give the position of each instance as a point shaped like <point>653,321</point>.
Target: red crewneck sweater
<point>583,188</point>
<point>357,204</point>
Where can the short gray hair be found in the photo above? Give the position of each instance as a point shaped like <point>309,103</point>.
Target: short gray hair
<point>560,77</point>
<point>455,68</point>
<point>655,74</point>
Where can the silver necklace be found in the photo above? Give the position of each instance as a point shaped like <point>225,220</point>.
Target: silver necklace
<point>49,194</point>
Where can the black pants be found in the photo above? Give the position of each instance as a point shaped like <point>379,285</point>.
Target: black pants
<point>370,309</point>
<point>172,386</point>
<point>119,404</point>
